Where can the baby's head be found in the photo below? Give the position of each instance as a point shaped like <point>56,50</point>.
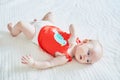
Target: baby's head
<point>89,51</point>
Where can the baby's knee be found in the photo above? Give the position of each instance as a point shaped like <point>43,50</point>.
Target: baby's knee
<point>20,22</point>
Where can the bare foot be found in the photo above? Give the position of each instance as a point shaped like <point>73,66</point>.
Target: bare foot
<point>48,17</point>
<point>9,26</point>
<point>35,20</point>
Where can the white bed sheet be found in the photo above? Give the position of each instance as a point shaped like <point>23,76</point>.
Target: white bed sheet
<point>96,19</point>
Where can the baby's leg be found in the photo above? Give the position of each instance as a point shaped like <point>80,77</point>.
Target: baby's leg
<point>48,17</point>
<point>27,29</point>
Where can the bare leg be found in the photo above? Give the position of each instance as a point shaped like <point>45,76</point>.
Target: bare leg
<point>27,29</point>
<point>48,17</point>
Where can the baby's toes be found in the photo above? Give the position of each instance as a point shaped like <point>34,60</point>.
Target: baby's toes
<point>10,24</point>
<point>35,20</point>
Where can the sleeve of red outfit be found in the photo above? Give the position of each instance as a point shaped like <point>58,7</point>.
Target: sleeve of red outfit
<point>65,35</point>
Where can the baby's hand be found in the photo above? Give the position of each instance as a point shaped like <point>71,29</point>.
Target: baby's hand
<point>27,60</point>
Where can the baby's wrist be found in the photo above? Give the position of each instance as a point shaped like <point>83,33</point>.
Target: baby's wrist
<point>32,63</point>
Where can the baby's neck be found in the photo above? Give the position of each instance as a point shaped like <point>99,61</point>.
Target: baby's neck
<point>73,51</point>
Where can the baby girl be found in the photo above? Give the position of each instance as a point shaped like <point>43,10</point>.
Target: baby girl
<point>59,44</point>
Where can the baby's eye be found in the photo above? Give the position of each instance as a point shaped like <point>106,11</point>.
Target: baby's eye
<point>88,53</point>
<point>88,61</point>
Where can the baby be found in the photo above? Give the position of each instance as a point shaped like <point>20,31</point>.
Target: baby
<point>61,45</point>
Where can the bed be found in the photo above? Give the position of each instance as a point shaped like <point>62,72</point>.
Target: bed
<point>94,19</point>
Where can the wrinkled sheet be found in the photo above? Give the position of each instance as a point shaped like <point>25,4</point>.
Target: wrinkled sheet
<point>94,19</point>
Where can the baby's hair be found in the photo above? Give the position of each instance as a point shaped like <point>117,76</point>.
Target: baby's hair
<point>97,47</point>
<point>97,42</point>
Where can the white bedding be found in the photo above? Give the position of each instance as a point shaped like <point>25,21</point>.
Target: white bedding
<point>96,19</point>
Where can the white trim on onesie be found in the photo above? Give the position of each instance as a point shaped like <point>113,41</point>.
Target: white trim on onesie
<point>38,25</point>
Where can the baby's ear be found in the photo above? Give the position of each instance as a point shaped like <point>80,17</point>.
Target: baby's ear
<point>86,40</point>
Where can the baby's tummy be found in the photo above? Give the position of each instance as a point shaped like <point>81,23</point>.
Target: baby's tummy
<point>38,25</point>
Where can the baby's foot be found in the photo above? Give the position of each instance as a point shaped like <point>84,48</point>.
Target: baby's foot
<point>9,26</point>
<point>34,20</point>
<point>48,16</point>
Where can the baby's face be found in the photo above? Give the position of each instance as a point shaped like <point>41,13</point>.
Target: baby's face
<point>88,52</point>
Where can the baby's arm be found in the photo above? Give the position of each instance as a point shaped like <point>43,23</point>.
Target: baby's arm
<point>59,60</point>
<point>72,39</point>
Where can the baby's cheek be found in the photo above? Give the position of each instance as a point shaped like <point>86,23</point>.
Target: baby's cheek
<point>81,61</point>
<point>79,50</point>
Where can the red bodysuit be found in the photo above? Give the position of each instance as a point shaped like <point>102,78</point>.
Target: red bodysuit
<point>52,40</point>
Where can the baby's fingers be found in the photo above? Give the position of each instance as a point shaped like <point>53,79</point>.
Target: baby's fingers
<point>24,58</point>
<point>24,62</point>
<point>29,56</point>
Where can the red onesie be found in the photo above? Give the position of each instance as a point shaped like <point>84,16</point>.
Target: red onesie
<point>52,39</point>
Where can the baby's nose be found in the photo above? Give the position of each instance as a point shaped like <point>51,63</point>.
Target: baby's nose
<point>84,57</point>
